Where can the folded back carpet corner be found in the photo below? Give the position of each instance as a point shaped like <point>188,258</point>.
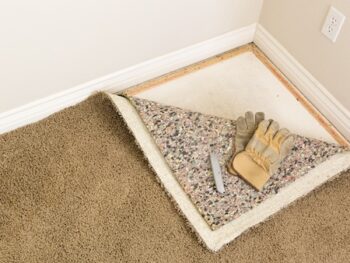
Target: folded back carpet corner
<point>177,143</point>
<point>76,188</point>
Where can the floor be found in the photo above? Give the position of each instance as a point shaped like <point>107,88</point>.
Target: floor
<point>75,188</point>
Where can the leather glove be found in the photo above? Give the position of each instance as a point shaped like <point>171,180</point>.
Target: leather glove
<point>263,154</point>
<point>245,128</point>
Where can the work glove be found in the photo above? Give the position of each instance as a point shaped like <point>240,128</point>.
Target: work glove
<point>263,154</point>
<point>245,128</point>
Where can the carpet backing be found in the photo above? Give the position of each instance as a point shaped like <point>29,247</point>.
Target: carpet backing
<point>76,188</point>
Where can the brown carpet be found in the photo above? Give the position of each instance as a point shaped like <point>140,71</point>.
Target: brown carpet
<point>75,188</point>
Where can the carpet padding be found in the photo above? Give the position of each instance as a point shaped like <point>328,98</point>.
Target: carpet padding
<point>185,139</point>
<point>76,188</point>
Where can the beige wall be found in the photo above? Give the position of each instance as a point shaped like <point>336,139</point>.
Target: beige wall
<point>297,24</point>
<point>50,46</point>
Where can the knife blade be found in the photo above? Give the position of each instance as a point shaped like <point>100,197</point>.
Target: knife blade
<point>217,173</point>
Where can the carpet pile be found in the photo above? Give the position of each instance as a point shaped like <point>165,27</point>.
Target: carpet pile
<point>76,188</point>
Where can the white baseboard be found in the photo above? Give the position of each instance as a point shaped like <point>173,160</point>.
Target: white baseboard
<point>313,90</point>
<point>125,78</point>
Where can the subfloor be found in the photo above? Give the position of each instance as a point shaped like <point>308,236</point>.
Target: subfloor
<point>75,188</point>
<point>238,81</point>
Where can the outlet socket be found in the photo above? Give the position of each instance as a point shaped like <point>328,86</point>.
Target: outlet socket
<point>333,24</point>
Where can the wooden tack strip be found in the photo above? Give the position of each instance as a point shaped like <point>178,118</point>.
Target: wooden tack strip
<point>149,84</point>
<point>325,123</point>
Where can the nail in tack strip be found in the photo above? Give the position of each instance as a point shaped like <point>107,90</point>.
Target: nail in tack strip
<point>217,173</point>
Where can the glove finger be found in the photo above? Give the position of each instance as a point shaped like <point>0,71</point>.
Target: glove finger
<point>272,129</point>
<point>262,127</point>
<point>249,118</point>
<point>241,124</point>
<point>259,116</point>
<point>280,136</point>
<point>287,145</point>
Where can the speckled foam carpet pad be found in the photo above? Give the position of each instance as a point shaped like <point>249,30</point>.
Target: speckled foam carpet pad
<point>186,138</point>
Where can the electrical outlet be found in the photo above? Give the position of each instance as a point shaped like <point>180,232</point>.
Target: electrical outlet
<point>333,24</point>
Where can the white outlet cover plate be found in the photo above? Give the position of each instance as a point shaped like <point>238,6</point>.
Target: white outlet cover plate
<point>333,24</point>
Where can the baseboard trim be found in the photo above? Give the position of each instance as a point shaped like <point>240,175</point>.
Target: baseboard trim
<point>308,85</point>
<point>125,78</point>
